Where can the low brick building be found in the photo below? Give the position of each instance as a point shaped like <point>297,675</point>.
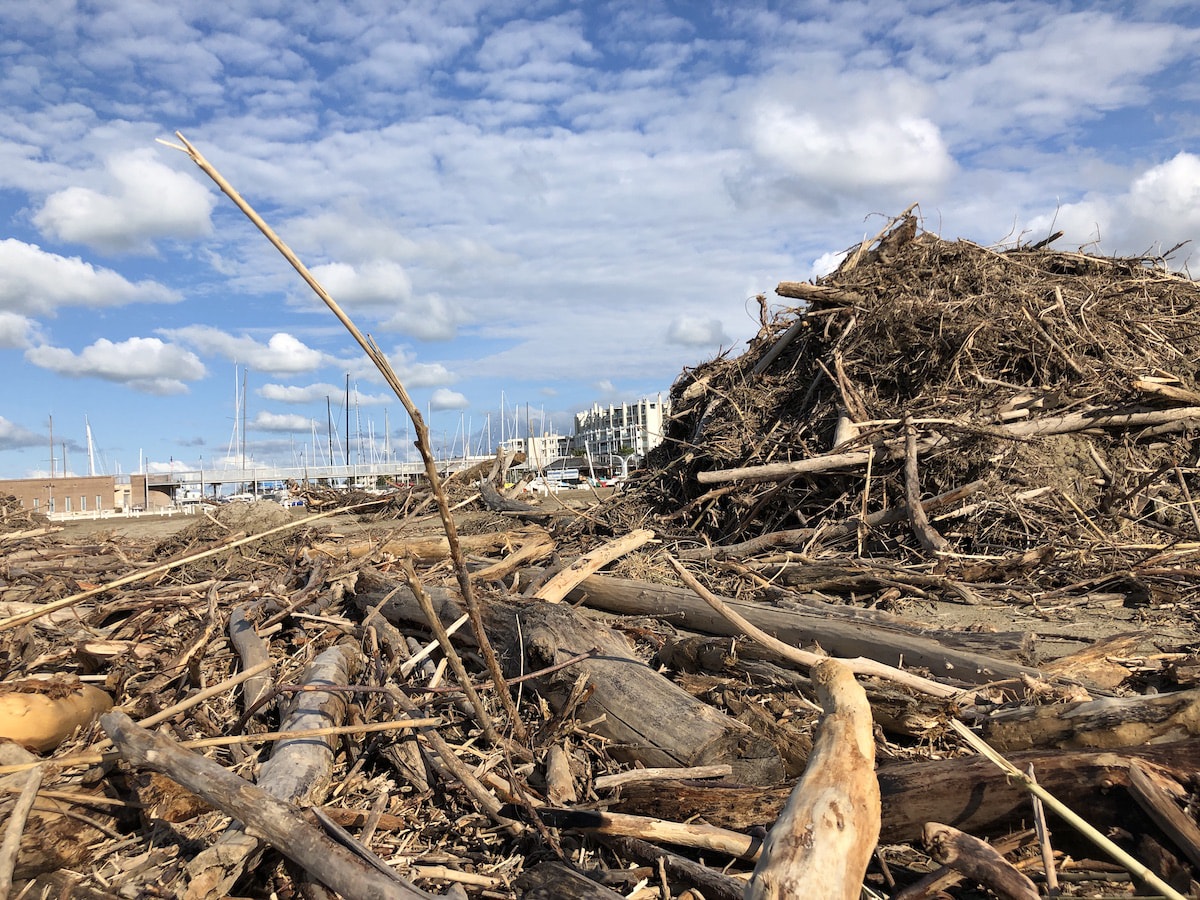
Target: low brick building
<point>69,494</point>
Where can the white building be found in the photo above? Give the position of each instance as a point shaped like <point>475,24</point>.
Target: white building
<point>540,450</point>
<point>631,427</point>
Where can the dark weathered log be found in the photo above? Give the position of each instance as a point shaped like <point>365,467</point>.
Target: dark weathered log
<point>1158,804</point>
<point>969,793</point>
<point>824,838</point>
<point>711,882</point>
<point>648,718</point>
<point>554,881</point>
<point>1101,724</point>
<point>837,638</point>
<point>979,861</point>
<point>281,824</point>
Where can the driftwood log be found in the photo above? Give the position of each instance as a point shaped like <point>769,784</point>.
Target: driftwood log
<point>297,773</point>
<point>648,718</point>
<point>841,638</point>
<point>824,838</point>
<point>1108,723</point>
<point>969,793</point>
<point>281,824</point>
<point>978,861</point>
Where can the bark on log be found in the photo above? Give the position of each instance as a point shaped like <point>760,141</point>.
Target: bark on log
<point>649,719</point>
<point>281,824</point>
<point>711,882</point>
<point>298,772</point>
<point>554,881</point>
<point>838,638</point>
<point>969,793</point>
<point>824,839</point>
<point>1108,723</point>
<point>979,861</point>
<point>252,650</point>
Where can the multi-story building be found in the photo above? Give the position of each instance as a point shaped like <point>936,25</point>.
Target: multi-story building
<point>631,429</point>
<point>539,450</point>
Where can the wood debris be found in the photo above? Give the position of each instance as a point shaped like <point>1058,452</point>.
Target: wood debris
<point>967,474</point>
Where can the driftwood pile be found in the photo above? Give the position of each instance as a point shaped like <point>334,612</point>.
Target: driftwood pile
<point>928,540</point>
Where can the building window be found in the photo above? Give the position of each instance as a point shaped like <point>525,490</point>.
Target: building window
<point>50,505</point>
<point>36,502</point>
<point>98,504</point>
<point>66,504</point>
<point>82,503</point>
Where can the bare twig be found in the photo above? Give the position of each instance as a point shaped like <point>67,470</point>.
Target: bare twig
<point>422,430</point>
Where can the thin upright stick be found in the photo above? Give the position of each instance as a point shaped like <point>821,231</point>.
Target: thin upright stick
<point>456,663</point>
<point>422,431</point>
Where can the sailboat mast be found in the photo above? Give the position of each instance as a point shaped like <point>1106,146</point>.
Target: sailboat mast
<point>347,419</point>
<point>90,447</point>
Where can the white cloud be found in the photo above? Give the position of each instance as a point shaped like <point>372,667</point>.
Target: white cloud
<point>282,354</point>
<point>141,201</point>
<point>312,393</point>
<point>143,364</point>
<point>33,281</point>
<point>267,421</point>
<point>903,151</point>
<point>694,332</point>
<point>826,263</point>
<point>383,287</point>
<point>1160,208</point>
<point>16,330</point>
<point>444,398</point>
<point>412,374</point>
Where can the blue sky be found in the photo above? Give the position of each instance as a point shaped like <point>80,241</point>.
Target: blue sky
<point>564,203</point>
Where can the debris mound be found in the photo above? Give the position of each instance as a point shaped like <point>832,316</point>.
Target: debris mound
<point>1056,391</point>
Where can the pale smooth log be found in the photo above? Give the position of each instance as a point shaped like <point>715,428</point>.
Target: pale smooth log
<point>822,842</point>
<point>298,772</point>
<point>591,562</point>
<point>927,536</point>
<point>281,824</point>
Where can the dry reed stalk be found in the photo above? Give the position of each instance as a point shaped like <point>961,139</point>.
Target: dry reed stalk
<point>1085,828</point>
<point>422,430</point>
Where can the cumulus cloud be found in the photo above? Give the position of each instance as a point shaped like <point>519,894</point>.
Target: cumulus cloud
<point>282,354</point>
<point>16,330</point>
<point>35,282</point>
<point>888,151</point>
<point>383,287</point>
<point>1160,208</point>
<point>693,332</point>
<point>142,200</point>
<point>142,364</point>
<point>444,398</point>
<point>282,422</point>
